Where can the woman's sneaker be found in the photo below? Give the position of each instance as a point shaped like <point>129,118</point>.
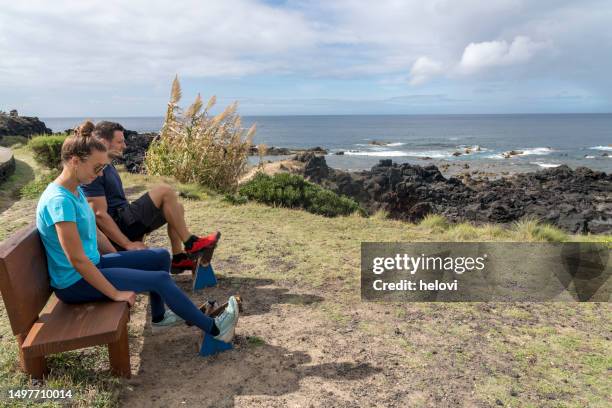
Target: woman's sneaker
<point>226,321</point>
<point>170,319</point>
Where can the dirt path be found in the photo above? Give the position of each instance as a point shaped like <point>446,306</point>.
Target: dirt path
<point>287,353</point>
<point>303,349</point>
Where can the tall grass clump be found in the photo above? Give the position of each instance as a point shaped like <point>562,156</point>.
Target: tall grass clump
<point>530,229</point>
<point>435,222</point>
<point>463,232</point>
<point>195,147</point>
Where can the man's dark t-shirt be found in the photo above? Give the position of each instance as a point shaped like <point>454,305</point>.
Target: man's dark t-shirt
<point>109,185</point>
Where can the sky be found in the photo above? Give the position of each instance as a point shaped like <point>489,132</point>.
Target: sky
<point>118,58</point>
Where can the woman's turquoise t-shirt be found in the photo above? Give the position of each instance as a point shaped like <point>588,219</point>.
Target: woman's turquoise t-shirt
<point>59,204</point>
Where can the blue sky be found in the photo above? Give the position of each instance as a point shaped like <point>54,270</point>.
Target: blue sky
<point>117,58</point>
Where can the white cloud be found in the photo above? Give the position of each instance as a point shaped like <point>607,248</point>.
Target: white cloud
<point>479,56</point>
<point>423,69</point>
<point>65,47</point>
<point>97,42</point>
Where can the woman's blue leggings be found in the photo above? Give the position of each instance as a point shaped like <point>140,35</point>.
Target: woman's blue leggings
<point>146,270</point>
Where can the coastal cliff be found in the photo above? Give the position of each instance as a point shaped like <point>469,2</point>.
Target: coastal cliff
<point>577,201</point>
<point>15,125</point>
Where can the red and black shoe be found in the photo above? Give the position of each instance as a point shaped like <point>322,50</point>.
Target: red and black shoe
<point>203,242</point>
<point>204,247</point>
<point>185,264</point>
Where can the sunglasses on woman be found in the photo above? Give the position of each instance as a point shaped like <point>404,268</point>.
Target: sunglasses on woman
<point>100,167</point>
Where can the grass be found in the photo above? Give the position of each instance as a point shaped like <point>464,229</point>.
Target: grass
<point>530,228</point>
<point>33,189</point>
<point>559,366</point>
<point>559,351</point>
<point>13,142</point>
<point>525,230</point>
<point>25,170</point>
<point>434,222</point>
<point>254,341</point>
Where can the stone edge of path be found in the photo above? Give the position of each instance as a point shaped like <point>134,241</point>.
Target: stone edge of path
<point>7,163</point>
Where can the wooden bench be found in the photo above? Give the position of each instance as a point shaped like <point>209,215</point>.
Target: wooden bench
<point>46,326</point>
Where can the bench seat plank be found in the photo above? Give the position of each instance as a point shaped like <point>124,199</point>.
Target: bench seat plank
<point>62,327</point>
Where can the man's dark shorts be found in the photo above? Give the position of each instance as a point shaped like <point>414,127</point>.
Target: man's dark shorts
<point>139,217</point>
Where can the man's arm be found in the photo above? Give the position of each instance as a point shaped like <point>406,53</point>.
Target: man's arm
<point>109,226</point>
<point>104,244</point>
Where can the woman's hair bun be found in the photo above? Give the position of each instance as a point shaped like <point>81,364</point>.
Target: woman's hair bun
<point>85,129</point>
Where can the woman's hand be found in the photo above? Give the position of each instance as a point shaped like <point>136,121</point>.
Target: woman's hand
<point>125,296</point>
<point>70,241</point>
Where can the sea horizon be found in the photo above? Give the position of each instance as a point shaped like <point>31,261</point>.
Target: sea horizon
<point>354,114</point>
<point>357,142</point>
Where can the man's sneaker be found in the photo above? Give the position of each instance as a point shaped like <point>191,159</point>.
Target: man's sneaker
<point>226,321</point>
<point>184,264</point>
<point>170,319</point>
<point>203,243</point>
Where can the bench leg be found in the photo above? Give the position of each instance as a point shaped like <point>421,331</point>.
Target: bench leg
<point>36,367</point>
<point>119,354</point>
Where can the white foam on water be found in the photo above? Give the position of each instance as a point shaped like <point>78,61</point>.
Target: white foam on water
<point>494,156</point>
<point>373,146</point>
<point>607,148</point>
<point>545,165</point>
<point>473,149</point>
<point>385,153</point>
<point>589,157</point>
<point>434,154</point>
<point>532,151</point>
<point>535,151</point>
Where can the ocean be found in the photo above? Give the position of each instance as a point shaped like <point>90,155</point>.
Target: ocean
<point>544,140</point>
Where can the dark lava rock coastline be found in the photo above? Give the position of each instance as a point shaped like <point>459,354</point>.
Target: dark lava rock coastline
<point>137,145</point>
<point>576,201</point>
<point>13,125</point>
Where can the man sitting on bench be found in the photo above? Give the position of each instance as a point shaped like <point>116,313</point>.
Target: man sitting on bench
<point>79,273</point>
<point>125,223</point>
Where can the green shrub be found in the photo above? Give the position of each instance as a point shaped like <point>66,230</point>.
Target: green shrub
<point>47,150</point>
<point>35,187</point>
<point>289,190</point>
<point>235,199</point>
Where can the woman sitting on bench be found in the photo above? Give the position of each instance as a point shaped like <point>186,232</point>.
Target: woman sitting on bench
<point>77,271</point>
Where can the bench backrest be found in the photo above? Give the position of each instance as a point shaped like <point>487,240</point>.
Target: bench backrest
<point>24,280</point>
